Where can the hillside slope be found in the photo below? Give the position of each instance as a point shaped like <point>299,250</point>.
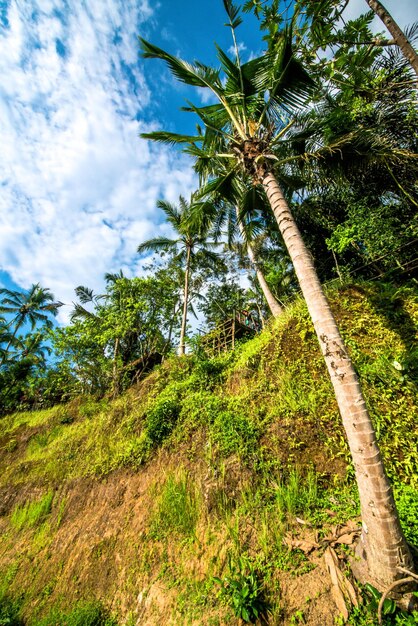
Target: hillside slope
<point>212,488</point>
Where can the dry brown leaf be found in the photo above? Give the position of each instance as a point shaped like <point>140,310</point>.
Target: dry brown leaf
<point>347,538</point>
<point>336,591</point>
<point>301,544</point>
<point>350,527</point>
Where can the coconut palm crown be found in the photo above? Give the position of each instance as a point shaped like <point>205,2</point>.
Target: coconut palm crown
<point>33,306</point>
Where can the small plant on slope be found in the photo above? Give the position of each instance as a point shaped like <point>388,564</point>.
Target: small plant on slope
<point>242,590</point>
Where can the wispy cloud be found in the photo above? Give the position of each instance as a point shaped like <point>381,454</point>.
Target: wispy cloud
<point>78,188</point>
<point>241,48</point>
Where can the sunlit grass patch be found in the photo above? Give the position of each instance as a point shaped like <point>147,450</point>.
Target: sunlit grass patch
<point>177,508</point>
<point>87,613</point>
<point>32,513</point>
<point>29,419</point>
<point>296,494</point>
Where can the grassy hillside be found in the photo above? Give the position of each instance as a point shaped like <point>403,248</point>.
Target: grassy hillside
<point>210,490</point>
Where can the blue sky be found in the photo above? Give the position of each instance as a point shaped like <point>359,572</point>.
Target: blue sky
<point>78,188</point>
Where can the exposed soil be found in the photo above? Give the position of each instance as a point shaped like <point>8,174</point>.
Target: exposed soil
<point>100,550</point>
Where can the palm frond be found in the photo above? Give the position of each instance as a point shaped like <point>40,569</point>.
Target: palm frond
<point>197,74</point>
<point>80,313</point>
<point>158,244</point>
<point>222,186</point>
<point>233,14</point>
<point>84,294</point>
<point>214,117</point>
<point>171,139</point>
<point>172,213</point>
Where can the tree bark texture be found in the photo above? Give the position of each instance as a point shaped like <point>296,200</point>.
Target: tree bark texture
<point>275,308</point>
<point>182,347</point>
<point>382,543</point>
<point>397,33</point>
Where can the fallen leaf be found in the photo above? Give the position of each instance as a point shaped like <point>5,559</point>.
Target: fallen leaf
<point>301,544</point>
<point>336,591</point>
<point>347,539</point>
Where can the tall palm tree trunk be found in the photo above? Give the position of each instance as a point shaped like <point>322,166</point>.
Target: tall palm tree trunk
<point>382,544</point>
<point>272,303</point>
<point>397,33</point>
<point>182,347</point>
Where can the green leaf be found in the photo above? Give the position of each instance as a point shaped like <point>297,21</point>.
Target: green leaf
<point>197,75</point>
<point>171,138</point>
<point>245,615</point>
<point>233,13</point>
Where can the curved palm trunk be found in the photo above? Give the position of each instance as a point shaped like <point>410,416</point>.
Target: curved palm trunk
<point>382,543</point>
<point>397,33</point>
<point>273,305</point>
<point>182,347</point>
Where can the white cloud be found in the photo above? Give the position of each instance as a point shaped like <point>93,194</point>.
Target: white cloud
<point>241,48</point>
<point>79,188</point>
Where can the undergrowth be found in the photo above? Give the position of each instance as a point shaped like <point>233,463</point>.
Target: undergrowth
<point>255,450</point>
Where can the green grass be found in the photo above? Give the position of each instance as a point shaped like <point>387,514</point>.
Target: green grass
<point>177,508</point>
<point>83,614</point>
<point>259,433</point>
<point>296,495</point>
<point>32,513</point>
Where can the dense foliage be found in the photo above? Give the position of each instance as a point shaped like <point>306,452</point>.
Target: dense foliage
<point>330,108</point>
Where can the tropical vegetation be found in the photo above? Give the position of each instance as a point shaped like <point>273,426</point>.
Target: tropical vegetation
<point>303,225</point>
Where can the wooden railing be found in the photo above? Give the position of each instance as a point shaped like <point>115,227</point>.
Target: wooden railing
<point>224,336</point>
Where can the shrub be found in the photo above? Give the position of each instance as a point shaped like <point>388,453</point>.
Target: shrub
<point>234,433</point>
<point>242,590</point>
<point>9,612</point>
<point>407,503</point>
<point>161,419</point>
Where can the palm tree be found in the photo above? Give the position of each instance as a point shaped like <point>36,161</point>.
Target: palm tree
<point>32,306</point>
<point>191,246</point>
<point>399,37</point>
<point>7,339</point>
<point>34,349</point>
<point>244,129</point>
<point>241,215</point>
<point>275,308</point>
<point>245,227</point>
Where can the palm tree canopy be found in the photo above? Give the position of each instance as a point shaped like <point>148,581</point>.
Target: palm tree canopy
<point>257,124</point>
<point>254,98</point>
<point>34,305</point>
<point>191,233</point>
